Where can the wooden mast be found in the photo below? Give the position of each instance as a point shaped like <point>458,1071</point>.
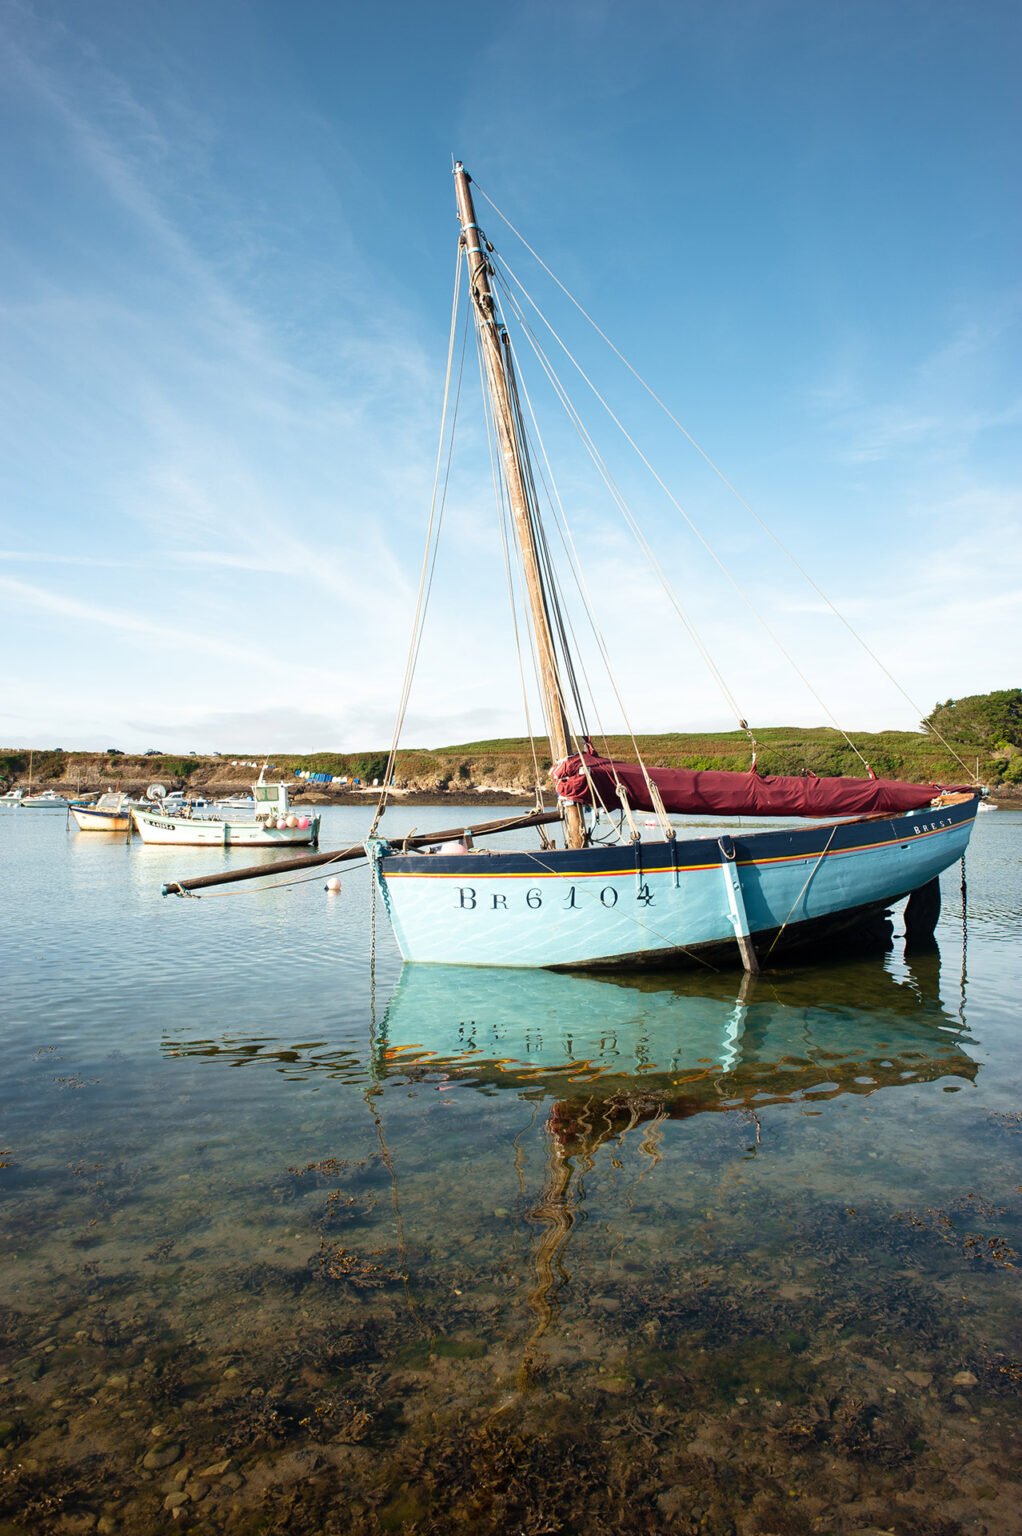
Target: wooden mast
<point>494,340</point>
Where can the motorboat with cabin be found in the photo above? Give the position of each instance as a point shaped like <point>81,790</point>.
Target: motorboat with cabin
<point>274,824</point>
<point>46,800</point>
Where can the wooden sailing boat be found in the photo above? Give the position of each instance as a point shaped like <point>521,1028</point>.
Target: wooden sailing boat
<point>711,898</point>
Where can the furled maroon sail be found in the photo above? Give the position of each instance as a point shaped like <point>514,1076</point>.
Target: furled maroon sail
<point>694,792</point>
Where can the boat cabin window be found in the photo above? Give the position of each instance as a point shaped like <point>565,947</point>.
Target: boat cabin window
<point>266,792</point>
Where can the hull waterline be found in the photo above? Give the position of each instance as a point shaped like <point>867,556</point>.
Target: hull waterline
<point>666,902</point>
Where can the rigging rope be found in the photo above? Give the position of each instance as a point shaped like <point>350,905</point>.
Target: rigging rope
<point>693,526</point>
<point>805,887</point>
<point>723,478</point>
<point>429,553</point>
<point>502,520</point>
<point>575,566</point>
<point>549,593</point>
<point>550,583</point>
<point>630,519</point>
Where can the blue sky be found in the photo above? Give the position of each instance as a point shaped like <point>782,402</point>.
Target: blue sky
<point>226,259</point>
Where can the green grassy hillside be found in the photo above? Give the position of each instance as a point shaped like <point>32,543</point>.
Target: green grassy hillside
<point>507,764</point>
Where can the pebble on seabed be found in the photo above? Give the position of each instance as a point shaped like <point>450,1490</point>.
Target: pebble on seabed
<point>161,1456</point>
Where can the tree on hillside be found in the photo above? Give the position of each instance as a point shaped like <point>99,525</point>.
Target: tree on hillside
<point>991,720</point>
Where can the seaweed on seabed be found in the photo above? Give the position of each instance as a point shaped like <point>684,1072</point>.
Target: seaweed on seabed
<point>862,1430</point>
<point>341,1209</point>
<point>302,1178</point>
<point>36,1499</point>
<point>980,1247</point>
<point>476,1478</point>
<point>1000,1373</point>
<point>364,1339</point>
<point>336,1263</point>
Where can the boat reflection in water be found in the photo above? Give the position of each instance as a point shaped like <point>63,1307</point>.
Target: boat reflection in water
<point>601,1058</point>
<point>650,1045</point>
<point>608,1057</point>
<point>643,1044</point>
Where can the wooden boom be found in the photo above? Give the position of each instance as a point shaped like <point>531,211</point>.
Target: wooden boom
<point>356,851</point>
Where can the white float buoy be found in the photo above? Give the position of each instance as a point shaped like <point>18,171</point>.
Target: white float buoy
<point>333,885</point>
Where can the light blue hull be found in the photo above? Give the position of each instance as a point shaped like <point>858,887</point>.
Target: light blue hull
<point>661,901</point>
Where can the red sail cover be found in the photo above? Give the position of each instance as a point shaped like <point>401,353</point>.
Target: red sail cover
<point>696,792</point>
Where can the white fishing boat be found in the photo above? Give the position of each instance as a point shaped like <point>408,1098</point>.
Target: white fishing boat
<point>848,848</point>
<point>275,824</point>
<point>46,800</point>
<point>109,813</point>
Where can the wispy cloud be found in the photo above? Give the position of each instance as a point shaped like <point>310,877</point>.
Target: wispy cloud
<point>886,437</point>
<point>26,595</point>
<point>935,404</point>
<point>119,168</point>
<point>219,391</point>
<point>259,654</point>
<point>285,729</point>
<point>229,379</point>
<point>45,557</point>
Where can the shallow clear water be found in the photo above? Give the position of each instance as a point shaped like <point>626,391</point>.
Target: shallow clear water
<point>290,1244</point>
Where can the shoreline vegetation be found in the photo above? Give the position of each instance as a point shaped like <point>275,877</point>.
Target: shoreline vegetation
<point>502,771</point>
